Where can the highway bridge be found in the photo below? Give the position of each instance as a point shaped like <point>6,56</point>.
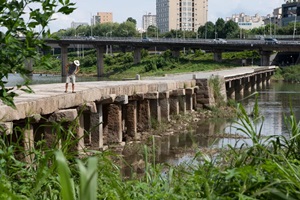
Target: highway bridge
<point>175,45</point>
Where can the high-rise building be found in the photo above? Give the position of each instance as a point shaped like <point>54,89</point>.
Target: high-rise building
<point>290,12</point>
<point>181,14</point>
<point>105,17</point>
<point>149,20</point>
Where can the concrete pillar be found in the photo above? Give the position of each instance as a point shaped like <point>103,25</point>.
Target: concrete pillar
<point>189,92</point>
<point>259,81</point>
<point>64,58</point>
<point>137,55</point>
<point>176,53</point>
<point>96,129</point>
<point>230,89</point>
<point>100,60</point>
<point>253,81</point>
<point>247,83</point>
<point>164,105</point>
<point>131,119</point>
<point>80,133</point>
<point>143,115</point>
<point>155,111</point>
<point>265,58</point>
<point>178,94</point>
<point>218,56</point>
<point>6,128</point>
<point>174,105</point>
<point>114,123</point>
<point>28,143</point>
<point>239,87</point>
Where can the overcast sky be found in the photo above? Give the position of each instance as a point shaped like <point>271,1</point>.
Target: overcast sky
<point>122,9</point>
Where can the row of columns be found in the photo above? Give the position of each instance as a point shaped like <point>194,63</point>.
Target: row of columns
<point>96,125</point>
<point>251,83</point>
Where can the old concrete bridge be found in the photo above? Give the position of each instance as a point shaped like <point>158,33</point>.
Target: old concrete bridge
<point>109,112</point>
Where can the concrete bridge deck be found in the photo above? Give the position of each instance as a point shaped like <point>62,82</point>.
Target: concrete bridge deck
<point>111,112</point>
<point>49,98</point>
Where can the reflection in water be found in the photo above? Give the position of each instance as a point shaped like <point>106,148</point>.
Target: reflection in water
<point>274,104</point>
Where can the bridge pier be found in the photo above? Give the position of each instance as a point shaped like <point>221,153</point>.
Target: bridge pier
<point>143,115</point>
<point>137,55</point>
<point>176,53</point>
<point>155,110</point>
<point>100,60</point>
<point>265,57</point>
<point>230,87</point>
<point>165,105</point>
<point>64,58</point>
<point>189,93</point>
<point>218,56</point>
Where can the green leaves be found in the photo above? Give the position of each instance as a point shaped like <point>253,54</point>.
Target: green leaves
<point>20,41</point>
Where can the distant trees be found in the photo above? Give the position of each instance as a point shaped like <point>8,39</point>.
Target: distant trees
<point>221,29</point>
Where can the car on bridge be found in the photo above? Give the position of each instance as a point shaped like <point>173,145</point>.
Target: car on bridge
<point>146,39</point>
<point>271,41</point>
<point>220,41</point>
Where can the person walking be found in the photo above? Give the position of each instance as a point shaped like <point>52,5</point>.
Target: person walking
<point>72,69</point>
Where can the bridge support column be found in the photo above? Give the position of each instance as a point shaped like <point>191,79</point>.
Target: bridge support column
<point>6,128</point>
<point>174,105</point>
<point>259,81</point>
<point>230,85</point>
<point>253,82</point>
<point>155,110</point>
<point>68,116</point>
<point>265,58</point>
<point>64,58</point>
<point>218,56</point>
<point>131,119</point>
<point>239,87</point>
<point>137,55</point>
<point>164,105</point>
<point>178,97</point>
<point>247,83</point>
<point>189,92</point>
<point>114,123</point>
<point>28,143</point>
<point>100,60</point>
<point>176,53</point>
<point>96,129</point>
<point>143,115</point>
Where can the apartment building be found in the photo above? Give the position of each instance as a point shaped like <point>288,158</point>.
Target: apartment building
<point>181,14</point>
<point>149,20</point>
<point>290,12</point>
<point>247,22</point>
<point>104,17</point>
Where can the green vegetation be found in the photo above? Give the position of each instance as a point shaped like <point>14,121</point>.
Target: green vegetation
<point>20,42</point>
<point>266,169</point>
<point>291,73</point>
<point>120,65</point>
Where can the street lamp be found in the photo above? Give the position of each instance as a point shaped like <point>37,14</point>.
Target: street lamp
<point>295,26</point>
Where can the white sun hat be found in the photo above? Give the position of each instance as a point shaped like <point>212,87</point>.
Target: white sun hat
<point>76,62</point>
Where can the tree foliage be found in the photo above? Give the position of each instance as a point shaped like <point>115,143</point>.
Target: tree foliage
<point>20,41</point>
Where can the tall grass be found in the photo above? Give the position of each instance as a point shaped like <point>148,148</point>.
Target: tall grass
<point>267,169</point>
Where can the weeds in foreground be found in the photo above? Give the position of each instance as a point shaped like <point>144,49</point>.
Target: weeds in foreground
<point>267,169</point>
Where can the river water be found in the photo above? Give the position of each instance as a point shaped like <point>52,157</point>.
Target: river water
<point>274,103</point>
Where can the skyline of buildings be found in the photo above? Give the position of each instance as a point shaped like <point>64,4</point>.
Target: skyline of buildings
<point>189,15</point>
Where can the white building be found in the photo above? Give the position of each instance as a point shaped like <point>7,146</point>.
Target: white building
<point>247,22</point>
<point>181,14</point>
<point>149,20</point>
